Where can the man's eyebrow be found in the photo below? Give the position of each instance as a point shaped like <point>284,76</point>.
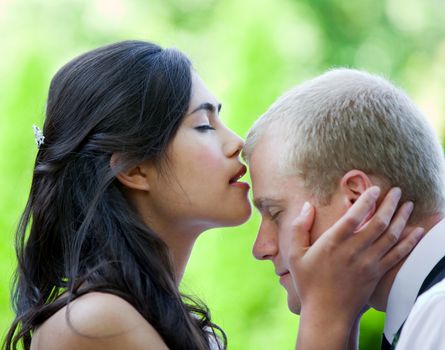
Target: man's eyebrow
<point>264,202</point>
<point>207,106</point>
<point>259,203</point>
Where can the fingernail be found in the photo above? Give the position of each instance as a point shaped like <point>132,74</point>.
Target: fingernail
<point>306,209</point>
<point>396,193</point>
<point>419,232</point>
<point>409,206</point>
<point>374,191</point>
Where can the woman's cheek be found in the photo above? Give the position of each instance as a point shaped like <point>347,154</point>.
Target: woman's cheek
<point>211,160</point>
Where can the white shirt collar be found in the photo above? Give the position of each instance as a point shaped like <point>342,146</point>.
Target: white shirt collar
<point>410,277</point>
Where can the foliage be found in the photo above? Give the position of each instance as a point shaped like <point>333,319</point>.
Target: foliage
<point>248,52</point>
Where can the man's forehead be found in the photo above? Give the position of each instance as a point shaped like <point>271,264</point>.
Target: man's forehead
<point>273,187</point>
<point>269,151</point>
<point>267,168</point>
<point>268,181</point>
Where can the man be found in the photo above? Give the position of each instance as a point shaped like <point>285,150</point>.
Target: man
<point>326,142</point>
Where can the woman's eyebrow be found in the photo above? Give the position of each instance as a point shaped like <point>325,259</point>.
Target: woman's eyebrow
<point>208,107</point>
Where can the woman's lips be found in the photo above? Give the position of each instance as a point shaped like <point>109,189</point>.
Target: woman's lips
<point>243,185</point>
<point>234,179</point>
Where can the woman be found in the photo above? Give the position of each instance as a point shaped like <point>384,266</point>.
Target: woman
<point>133,164</point>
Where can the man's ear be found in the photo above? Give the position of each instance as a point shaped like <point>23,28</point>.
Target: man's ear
<point>353,184</point>
<point>136,178</point>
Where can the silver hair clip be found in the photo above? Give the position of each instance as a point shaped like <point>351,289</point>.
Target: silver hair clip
<point>38,134</point>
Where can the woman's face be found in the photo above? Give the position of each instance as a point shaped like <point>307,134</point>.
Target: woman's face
<point>200,188</point>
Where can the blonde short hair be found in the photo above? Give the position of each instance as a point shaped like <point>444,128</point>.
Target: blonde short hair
<point>348,119</point>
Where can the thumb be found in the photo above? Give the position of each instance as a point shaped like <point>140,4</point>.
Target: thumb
<point>301,226</point>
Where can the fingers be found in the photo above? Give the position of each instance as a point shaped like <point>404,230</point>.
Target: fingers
<point>381,219</point>
<point>391,236</point>
<point>402,249</point>
<point>358,212</point>
<point>304,221</point>
<point>296,238</point>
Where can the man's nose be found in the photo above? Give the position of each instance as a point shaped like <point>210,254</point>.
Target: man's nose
<point>266,242</point>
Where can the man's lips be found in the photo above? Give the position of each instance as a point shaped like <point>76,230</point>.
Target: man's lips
<point>283,276</point>
<point>283,273</point>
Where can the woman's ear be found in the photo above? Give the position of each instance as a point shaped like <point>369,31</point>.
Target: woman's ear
<point>353,184</point>
<point>136,178</point>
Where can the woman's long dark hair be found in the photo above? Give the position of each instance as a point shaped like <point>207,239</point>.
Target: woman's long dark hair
<point>78,233</point>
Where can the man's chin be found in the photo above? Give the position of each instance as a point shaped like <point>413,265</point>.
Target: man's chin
<point>294,305</point>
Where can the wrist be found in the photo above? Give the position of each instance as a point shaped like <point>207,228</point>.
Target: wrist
<point>327,321</point>
<point>329,312</point>
<point>354,335</point>
<point>320,330</point>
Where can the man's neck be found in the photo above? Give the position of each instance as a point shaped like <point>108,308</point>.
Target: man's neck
<point>380,296</point>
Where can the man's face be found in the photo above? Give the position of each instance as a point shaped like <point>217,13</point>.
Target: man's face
<point>279,198</point>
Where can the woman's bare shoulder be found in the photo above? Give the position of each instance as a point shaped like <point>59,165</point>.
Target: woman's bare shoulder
<point>97,321</point>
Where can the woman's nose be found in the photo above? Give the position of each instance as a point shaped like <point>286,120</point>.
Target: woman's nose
<point>233,145</point>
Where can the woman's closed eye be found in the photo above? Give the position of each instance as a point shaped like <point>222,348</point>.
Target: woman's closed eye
<point>204,128</point>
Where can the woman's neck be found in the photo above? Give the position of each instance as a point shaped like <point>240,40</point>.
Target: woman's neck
<point>178,234</point>
<point>180,237</point>
<point>180,245</point>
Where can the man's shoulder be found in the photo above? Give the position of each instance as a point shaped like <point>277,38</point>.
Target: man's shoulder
<point>425,325</point>
<point>429,305</point>
<point>433,296</point>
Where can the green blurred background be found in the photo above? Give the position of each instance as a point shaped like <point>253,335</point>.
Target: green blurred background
<point>248,52</point>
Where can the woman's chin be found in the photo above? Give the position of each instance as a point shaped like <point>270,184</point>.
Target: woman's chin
<point>227,215</point>
<point>240,216</point>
